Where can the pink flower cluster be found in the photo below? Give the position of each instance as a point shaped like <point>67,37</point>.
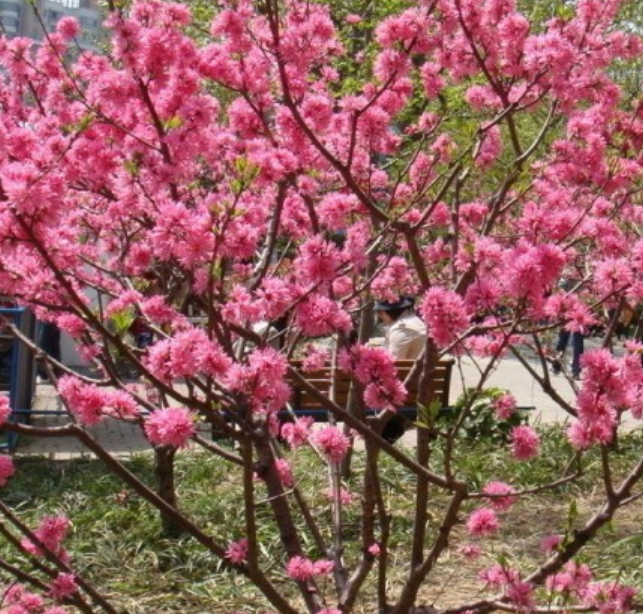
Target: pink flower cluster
<point>575,582</point>
<point>297,433</point>
<point>315,359</point>
<point>7,469</point>
<point>285,472</point>
<point>188,353</point>
<point>445,314</point>
<point>261,379</point>
<point>170,426</point>
<point>237,552</point>
<point>346,497</point>
<point>609,384</point>
<point>319,315</point>
<point>375,369</point>
<point>525,442</point>
<point>332,442</point>
<point>504,406</point>
<point>517,591</point>
<point>483,522</point>
<point>63,585</point>
<point>17,599</point>
<point>470,551</point>
<point>50,533</point>
<point>395,280</point>
<point>301,569</point>
<point>5,409</point>
<point>501,498</point>
<point>91,404</point>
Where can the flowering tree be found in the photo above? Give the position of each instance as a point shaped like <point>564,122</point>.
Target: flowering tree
<point>471,159</point>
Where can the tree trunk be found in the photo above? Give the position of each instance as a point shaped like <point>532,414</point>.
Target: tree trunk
<point>164,468</point>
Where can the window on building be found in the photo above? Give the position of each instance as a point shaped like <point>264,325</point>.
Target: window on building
<point>68,4</point>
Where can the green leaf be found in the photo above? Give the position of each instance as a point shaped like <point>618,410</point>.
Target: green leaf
<point>123,320</point>
<point>132,167</point>
<point>427,414</point>
<point>172,123</point>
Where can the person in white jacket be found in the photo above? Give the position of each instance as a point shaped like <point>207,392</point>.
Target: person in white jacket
<point>405,332</point>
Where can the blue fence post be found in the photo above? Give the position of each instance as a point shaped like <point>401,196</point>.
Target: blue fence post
<point>21,372</point>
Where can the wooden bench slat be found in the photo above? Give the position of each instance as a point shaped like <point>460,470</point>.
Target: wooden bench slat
<point>325,380</point>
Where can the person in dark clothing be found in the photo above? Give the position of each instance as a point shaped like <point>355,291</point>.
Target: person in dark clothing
<point>578,347</point>
<point>49,342</point>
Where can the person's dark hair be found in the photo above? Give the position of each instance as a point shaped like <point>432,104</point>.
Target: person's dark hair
<point>395,309</point>
<point>396,314</point>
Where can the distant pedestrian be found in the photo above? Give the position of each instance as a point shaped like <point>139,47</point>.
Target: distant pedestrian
<point>49,342</point>
<point>578,347</point>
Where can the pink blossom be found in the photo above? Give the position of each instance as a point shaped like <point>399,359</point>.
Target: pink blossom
<point>320,315</point>
<point>610,597</point>
<point>21,601</point>
<point>504,406</point>
<point>525,443</point>
<point>68,27</point>
<point>5,409</point>
<point>7,469</point>
<point>574,578</point>
<point>285,473</point>
<point>431,79</point>
<point>498,576</point>
<point>261,379</point>
<point>375,369</point>
<point>445,315</point>
<point>387,394</point>
<point>51,532</point>
<point>15,593</point>
<point>297,433</point>
<point>71,324</point>
<point>85,400</point>
<point>470,551</point>
<point>332,442</point>
<point>91,403</point>
<point>582,435</point>
<point>171,426</point>
<point>237,552</point>
<point>346,497</point>
<point>483,522</point>
<point>374,549</point>
<point>550,543</point>
<point>323,567</point>
<point>502,499</point>
<point>520,593</point>
<point>319,261</point>
<point>63,585</point>
<point>300,569</point>
<point>315,359</point>
<point>395,280</point>
<point>490,148</point>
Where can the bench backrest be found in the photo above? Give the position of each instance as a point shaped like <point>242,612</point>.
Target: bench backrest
<point>437,387</point>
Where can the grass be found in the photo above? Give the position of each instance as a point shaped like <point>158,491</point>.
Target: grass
<point>118,544</point>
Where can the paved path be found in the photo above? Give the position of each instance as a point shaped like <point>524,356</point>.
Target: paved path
<point>123,440</point>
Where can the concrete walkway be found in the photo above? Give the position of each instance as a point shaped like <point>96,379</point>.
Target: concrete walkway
<point>123,440</point>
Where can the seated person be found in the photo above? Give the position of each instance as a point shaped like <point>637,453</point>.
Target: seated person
<point>405,338</point>
<point>405,332</point>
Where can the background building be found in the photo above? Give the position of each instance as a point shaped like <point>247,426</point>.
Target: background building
<point>19,18</point>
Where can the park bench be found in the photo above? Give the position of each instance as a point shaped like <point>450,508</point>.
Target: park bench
<point>338,384</point>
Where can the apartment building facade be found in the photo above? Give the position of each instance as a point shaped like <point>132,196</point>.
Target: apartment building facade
<point>25,18</point>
